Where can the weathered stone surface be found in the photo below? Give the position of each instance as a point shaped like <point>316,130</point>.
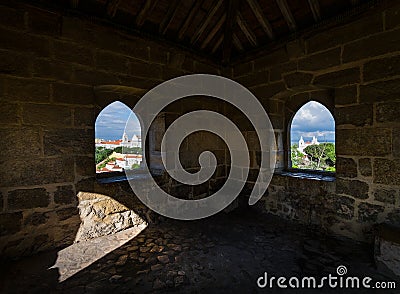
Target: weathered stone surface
<point>28,198</point>
<point>23,141</point>
<point>381,68</point>
<point>276,57</point>
<point>71,52</point>
<point>364,142</point>
<point>9,113</point>
<point>73,94</point>
<point>66,213</point>
<point>12,17</point>
<point>354,188</point>
<point>346,167</point>
<point>14,63</point>
<point>64,195</point>
<point>392,17</point>
<point>85,165</point>
<point>385,195</point>
<point>112,62</point>
<point>54,115</point>
<point>254,79</point>
<point>369,212</point>
<point>84,117</point>
<point>365,167</point>
<point>37,171</point>
<point>396,142</point>
<point>52,69</point>
<point>297,79</point>
<point>387,171</point>
<point>31,90</point>
<point>10,223</point>
<point>35,219</point>
<point>68,141</point>
<point>388,112</point>
<point>344,207</point>
<point>242,69</point>
<point>321,60</point>
<point>346,33</point>
<point>275,72</point>
<point>267,91</point>
<point>380,91</point>
<point>339,78</point>
<point>142,69</point>
<point>44,22</point>
<point>295,48</point>
<point>90,76</point>
<point>356,115</point>
<point>372,46</point>
<point>346,95</point>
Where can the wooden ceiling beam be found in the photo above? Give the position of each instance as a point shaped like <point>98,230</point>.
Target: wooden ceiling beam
<point>145,11</point>
<point>287,14</point>
<point>237,43</point>
<point>245,29</point>
<point>232,8</point>
<point>213,32</point>
<point>262,19</point>
<point>193,12</point>
<point>218,44</point>
<point>172,10</point>
<point>316,11</point>
<point>112,7</point>
<point>74,3</point>
<point>206,22</point>
<point>355,2</point>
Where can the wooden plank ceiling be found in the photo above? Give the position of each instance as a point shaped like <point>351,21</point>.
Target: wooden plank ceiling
<point>223,30</point>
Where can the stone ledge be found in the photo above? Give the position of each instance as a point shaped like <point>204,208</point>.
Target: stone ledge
<point>327,177</point>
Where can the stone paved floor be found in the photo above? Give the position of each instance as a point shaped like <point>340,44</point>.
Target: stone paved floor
<point>222,254</point>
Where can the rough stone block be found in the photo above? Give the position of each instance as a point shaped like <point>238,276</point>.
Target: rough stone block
<point>385,195</point>
<point>9,113</point>
<point>380,91</point>
<point>392,17</point>
<point>37,171</point>
<point>363,142</point>
<point>10,223</point>
<point>68,141</point>
<point>369,212</point>
<point>12,17</point>
<point>279,69</point>
<point>277,57</point>
<point>71,52</point>
<point>297,79</point>
<point>64,195</point>
<point>84,117</point>
<point>202,67</point>
<point>14,63</point>
<point>372,46</point>
<point>93,77</point>
<point>365,167</point>
<point>25,142</point>
<point>31,90</point>
<point>381,68</point>
<point>344,207</point>
<point>112,62</point>
<point>242,69</point>
<point>295,48</point>
<point>387,171</point>
<point>346,33</point>
<point>356,115</point>
<point>321,60</point>
<point>346,167</point>
<point>143,69</point>
<point>28,198</point>
<point>254,79</point>
<point>24,42</point>
<point>50,115</point>
<point>85,165</point>
<point>267,91</point>
<point>36,219</point>
<point>66,213</point>
<point>77,29</point>
<point>73,94</point>
<point>44,22</point>
<point>339,78</point>
<point>346,95</point>
<point>354,188</point>
<point>52,69</point>
<point>396,142</point>
<point>388,112</point>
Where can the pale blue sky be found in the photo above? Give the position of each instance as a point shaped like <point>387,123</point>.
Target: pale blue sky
<point>313,119</point>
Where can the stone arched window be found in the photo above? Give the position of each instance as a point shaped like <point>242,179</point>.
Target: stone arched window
<point>312,138</point>
<point>117,148</point>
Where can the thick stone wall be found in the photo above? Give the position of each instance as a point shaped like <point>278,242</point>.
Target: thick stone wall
<point>50,65</point>
<point>352,69</point>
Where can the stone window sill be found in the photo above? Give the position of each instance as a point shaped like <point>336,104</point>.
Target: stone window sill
<point>309,175</point>
<point>114,177</point>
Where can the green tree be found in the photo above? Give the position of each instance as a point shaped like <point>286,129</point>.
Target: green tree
<point>321,156</point>
<point>101,154</point>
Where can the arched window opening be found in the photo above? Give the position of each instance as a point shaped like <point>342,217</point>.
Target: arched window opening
<point>117,150</point>
<point>312,138</point>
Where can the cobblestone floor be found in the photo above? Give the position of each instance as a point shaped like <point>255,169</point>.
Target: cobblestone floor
<point>222,254</point>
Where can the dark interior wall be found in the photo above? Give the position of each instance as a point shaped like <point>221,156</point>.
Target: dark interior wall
<point>50,65</point>
<point>352,69</point>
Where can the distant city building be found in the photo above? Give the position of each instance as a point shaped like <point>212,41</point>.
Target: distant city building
<point>303,145</point>
<point>136,141</point>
